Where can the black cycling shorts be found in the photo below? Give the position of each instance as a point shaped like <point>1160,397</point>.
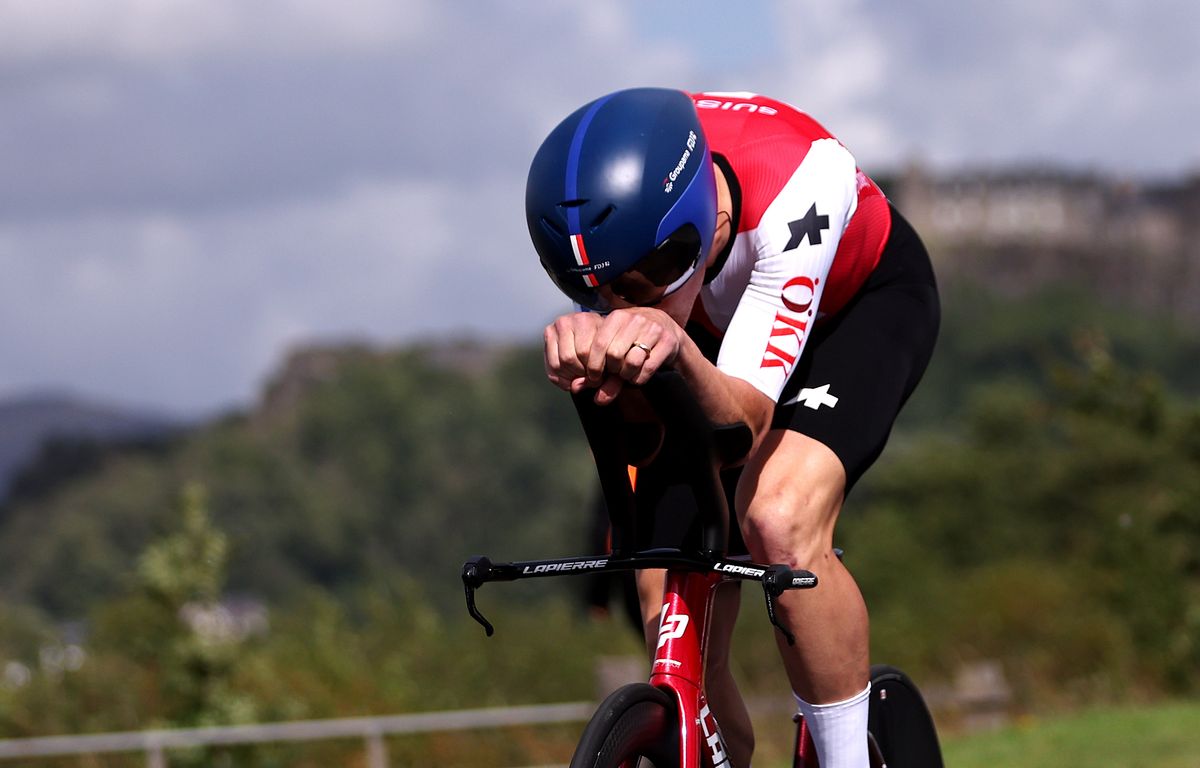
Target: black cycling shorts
<point>861,365</point>
<point>858,369</point>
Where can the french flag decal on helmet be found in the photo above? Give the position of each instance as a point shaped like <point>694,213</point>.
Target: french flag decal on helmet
<point>582,260</point>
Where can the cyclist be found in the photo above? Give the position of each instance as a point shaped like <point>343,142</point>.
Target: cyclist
<point>731,237</point>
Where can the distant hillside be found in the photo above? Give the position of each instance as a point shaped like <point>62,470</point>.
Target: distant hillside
<point>28,422</point>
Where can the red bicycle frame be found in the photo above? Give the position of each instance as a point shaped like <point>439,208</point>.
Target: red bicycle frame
<point>679,668</point>
<point>679,663</point>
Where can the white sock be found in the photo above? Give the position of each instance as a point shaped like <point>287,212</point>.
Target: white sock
<point>839,730</point>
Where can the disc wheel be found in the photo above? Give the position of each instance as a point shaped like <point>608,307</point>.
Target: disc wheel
<point>899,722</point>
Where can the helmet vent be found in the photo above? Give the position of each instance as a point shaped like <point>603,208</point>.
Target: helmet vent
<point>573,203</point>
<point>553,228</point>
<point>603,215</point>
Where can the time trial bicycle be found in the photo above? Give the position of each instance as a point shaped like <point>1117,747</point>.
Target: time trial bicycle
<point>667,721</point>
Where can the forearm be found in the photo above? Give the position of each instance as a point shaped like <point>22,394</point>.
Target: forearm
<point>725,399</point>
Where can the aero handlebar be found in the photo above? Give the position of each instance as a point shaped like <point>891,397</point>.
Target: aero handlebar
<point>687,447</point>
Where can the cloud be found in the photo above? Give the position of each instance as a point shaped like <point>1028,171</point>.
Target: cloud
<point>187,311</point>
<point>184,105</point>
<point>190,187</point>
<point>158,31</point>
<point>1072,83</point>
<point>198,192</point>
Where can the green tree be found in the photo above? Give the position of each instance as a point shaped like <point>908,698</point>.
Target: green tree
<point>1057,532</point>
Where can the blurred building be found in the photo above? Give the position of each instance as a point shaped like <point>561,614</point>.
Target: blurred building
<point>1018,230</point>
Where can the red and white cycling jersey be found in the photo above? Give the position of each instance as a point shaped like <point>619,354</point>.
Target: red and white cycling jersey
<point>810,230</point>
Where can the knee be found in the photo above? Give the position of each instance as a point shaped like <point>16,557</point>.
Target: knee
<point>790,519</point>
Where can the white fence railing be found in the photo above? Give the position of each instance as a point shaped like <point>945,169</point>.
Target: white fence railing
<point>371,730</point>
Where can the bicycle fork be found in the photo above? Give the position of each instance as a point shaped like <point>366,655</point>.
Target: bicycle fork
<point>679,665</point>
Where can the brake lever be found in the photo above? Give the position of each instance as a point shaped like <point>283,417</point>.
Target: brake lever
<point>791,639</point>
<point>776,580</point>
<point>474,573</point>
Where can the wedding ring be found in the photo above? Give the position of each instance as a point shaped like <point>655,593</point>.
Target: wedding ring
<point>639,345</point>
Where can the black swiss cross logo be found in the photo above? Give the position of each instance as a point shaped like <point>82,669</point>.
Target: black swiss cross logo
<point>810,226</point>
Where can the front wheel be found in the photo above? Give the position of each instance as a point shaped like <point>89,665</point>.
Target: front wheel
<point>636,721</point>
<point>900,723</point>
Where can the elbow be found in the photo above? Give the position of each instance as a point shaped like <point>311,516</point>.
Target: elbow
<point>758,410</point>
<point>759,432</point>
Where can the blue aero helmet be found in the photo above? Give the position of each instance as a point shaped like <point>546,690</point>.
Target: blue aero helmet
<point>621,199</point>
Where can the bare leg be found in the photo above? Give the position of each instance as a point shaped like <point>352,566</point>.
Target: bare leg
<point>788,501</point>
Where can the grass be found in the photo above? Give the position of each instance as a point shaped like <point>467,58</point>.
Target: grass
<point>1158,736</point>
<point>1161,736</point>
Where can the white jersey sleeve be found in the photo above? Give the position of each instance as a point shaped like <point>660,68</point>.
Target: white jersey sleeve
<point>794,246</point>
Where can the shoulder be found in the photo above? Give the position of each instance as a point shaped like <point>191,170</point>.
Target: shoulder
<point>768,144</point>
<point>742,118</point>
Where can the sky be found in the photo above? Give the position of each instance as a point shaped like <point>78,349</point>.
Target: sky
<point>189,189</point>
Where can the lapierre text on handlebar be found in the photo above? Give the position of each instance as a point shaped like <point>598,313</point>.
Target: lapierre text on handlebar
<point>692,450</point>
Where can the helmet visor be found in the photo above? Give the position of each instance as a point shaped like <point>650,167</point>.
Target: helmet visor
<point>662,271</point>
<point>651,279</point>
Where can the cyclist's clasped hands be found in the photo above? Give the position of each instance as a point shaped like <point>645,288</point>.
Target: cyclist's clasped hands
<point>585,349</point>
